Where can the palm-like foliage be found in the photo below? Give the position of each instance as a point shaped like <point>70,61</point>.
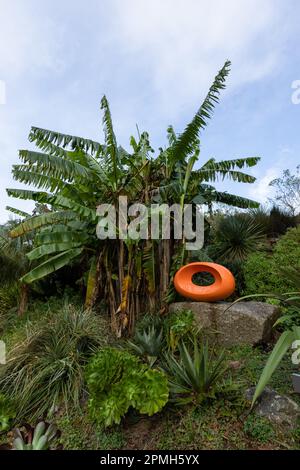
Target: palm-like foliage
<point>72,176</point>
<point>14,262</point>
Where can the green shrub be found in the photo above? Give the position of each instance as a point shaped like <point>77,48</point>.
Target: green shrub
<point>289,318</point>
<point>117,380</point>
<point>9,295</point>
<point>287,255</point>
<point>48,367</point>
<point>258,428</point>
<point>270,273</point>
<point>274,222</point>
<point>259,274</point>
<point>7,412</point>
<point>79,433</point>
<point>179,326</point>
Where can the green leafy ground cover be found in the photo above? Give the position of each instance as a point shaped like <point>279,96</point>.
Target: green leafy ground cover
<point>224,423</point>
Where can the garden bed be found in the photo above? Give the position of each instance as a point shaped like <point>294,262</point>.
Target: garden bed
<point>222,423</point>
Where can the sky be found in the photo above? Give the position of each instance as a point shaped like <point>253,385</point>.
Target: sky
<point>154,61</point>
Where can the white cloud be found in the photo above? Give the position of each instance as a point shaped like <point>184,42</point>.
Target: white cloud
<point>28,40</point>
<point>183,43</point>
<point>52,50</point>
<point>260,190</point>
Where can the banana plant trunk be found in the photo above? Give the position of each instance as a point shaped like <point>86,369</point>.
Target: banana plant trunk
<point>23,303</point>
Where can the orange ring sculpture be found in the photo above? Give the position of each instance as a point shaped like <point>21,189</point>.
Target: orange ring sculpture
<point>223,286</point>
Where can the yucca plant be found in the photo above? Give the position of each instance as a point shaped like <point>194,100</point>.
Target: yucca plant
<point>38,438</point>
<point>148,343</point>
<point>235,237</point>
<point>47,369</point>
<point>73,175</point>
<point>194,377</point>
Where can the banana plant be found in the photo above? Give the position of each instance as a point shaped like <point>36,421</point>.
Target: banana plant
<point>73,175</point>
<point>15,263</point>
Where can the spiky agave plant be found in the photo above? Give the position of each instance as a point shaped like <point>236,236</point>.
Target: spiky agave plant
<point>73,175</point>
<point>194,377</point>
<point>148,343</point>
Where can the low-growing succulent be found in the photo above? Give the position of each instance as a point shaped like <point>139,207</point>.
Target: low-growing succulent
<point>38,438</point>
<point>117,380</point>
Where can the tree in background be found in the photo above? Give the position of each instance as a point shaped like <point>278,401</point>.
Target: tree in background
<point>288,191</point>
<point>274,221</point>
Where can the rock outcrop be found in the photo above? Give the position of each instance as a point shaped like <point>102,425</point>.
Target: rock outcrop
<point>243,323</point>
<point>279,409</point>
